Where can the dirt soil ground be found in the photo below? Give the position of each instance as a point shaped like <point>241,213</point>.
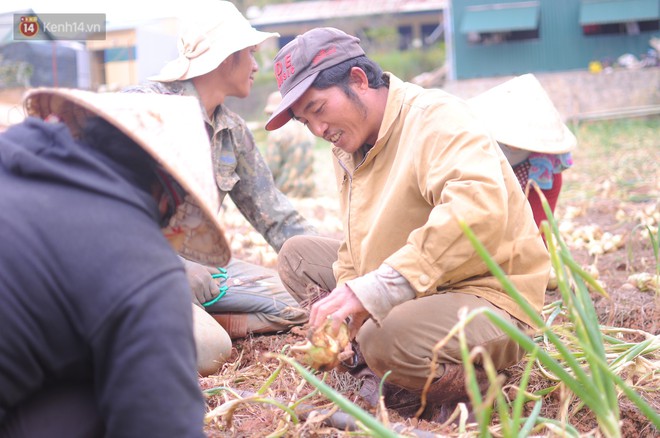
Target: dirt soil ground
<point>596,207</point>
<point>608,197</point>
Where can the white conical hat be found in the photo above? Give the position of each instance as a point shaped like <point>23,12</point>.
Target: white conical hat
<point>169,128</point>
<point>519,113</point>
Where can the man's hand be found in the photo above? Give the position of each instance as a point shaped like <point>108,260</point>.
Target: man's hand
<point>203,286</point>
<point>340,304</point>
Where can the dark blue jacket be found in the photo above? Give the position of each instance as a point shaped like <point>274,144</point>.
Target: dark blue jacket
<point>90,290</point>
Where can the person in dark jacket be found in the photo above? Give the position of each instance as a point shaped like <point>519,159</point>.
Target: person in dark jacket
<point>96,333</point>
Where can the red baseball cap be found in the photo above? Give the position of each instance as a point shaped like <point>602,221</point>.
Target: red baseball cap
<point>299,62</point>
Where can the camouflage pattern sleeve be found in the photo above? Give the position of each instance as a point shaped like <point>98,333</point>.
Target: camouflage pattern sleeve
<point>256,196</point>
<point>150,88</point>
<point>273,154</point>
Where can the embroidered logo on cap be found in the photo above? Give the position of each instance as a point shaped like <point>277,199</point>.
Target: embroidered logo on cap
<point>284,70</point>
<point>324,53</point>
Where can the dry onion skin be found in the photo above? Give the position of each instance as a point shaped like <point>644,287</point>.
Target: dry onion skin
<point>645,282</point>
<point>321,349</point>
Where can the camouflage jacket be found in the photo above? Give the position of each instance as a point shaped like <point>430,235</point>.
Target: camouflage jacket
<point>290,156</point>
<point>241,171</point>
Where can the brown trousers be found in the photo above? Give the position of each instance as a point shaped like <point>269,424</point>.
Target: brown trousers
<point>405,340</point>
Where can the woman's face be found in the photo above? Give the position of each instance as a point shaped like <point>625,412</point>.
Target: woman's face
<point>237,72</point>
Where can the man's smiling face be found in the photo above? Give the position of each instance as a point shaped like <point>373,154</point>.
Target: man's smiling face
<point>334,116</point>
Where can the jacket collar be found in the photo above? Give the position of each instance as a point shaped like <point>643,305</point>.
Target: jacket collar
<point>395,98</point>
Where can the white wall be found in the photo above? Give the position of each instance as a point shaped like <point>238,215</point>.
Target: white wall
<point>156,44</point>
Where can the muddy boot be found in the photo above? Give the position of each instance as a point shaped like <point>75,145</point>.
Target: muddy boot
<point>446,392</point>
<point>357,367</point>
<point>442,397</point>
<point>403,401</point>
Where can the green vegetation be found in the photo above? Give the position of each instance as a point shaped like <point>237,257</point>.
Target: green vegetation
<point>581,356</point>
<point>15,73</point>
<point>410,63</point>
<point>628,172</point>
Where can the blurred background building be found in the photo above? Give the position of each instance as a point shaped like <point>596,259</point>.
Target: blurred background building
<point>587,53</point>
<point>495,37</point>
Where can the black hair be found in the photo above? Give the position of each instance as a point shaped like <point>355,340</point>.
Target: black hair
<point>339,75</point>
<point>101,135</point>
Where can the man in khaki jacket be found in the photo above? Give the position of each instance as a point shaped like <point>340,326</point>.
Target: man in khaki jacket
<point>411,162</point>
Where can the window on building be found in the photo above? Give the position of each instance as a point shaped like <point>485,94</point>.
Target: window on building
<point>431,33</point>
<point>285,39</point>
<point>117,54</point>
<point>502,22</point>
<point>627,17</point>
<point>405,37</point>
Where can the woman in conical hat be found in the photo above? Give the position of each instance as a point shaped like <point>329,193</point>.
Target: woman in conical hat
<point>523,119</point>
<point>217,47</point>
<point>96,320</point>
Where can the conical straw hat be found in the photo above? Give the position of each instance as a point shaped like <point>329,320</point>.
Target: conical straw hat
<point>171,129</point>
<point>520,114</point>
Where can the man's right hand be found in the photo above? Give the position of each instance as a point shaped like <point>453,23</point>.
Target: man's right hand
<point>340,304</point>
<point>203,286</point>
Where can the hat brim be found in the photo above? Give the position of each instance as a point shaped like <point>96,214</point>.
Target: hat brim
<point>561,141</point>
<point>169,128</point>
<point>520,114</point>
<point>183,68</point>
<point>281,115</point>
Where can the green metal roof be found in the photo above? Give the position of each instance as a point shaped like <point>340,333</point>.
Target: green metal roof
<point>501,18</point>
<point>618,11</point>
